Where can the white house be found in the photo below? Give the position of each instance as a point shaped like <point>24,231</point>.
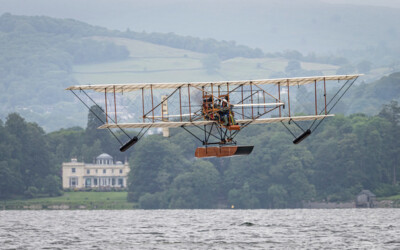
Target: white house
<point>104,173</point>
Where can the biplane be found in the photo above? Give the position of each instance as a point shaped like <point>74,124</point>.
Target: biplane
<point>217,110</point>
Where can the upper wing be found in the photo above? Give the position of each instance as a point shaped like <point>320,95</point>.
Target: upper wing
<point>200,123</point>
<point>120,88</point>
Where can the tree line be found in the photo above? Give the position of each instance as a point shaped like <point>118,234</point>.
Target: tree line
<point>344,156</point>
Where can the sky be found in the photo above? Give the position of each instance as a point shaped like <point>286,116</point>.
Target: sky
<point>272,25</point>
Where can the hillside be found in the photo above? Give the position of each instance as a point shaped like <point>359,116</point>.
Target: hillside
<point>38,56</point>
<point>41,56</point>
<point>149,62</point>
<point>369,98</point>
<point>320,26</point>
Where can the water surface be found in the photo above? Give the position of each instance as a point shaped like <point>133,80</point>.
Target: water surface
<point>201,229</point>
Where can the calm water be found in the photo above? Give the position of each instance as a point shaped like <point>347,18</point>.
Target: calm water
<point>201,229</point>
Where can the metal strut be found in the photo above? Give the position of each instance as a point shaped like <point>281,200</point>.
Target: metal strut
<point>222,139</point>
<point>346,86</point>
<point>340,97</point>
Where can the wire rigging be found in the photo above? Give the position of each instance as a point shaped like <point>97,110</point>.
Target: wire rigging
<point>105,113</point>
<point>96,116</point>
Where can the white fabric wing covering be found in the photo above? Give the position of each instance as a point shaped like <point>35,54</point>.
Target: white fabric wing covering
<point>201,123</point>
<point>120,88</point>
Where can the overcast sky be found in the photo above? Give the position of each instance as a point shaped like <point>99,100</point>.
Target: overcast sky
<point>272,25</point>
<point>118,14</point>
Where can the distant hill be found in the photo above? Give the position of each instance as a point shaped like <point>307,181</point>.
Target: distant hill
<point>38,55</point>
<point>370,97</point>
<point>41,56</point>
<point>320,26</point>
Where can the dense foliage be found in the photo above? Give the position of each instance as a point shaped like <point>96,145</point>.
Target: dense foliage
<point>370,97</point>
<point>37,56</point>
<point>30,160</point>
<point>26,164</point>
<point>346,155</point>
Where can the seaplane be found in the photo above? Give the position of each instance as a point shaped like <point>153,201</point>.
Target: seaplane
<point>218,110</point>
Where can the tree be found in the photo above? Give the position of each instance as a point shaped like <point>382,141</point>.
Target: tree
<point>52,185</point>
<point>10,181</point>
<point>293,66</point>
<point>153,201</point>
<point>96,117</point>
<point>211,64</point>
<point>89,153</point>
<point>154,165</point>
<point>108,144</point>
<point>31,149</point>
<point>391,112</point>
<point>197,188</point>
<point>31,192</point>
<point>243,198</point>
<point>278,196</point>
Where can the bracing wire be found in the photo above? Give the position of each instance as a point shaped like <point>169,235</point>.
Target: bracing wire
<point>96,116</point>
<point>105,114</point>
<point>348,83</point>
<point>335,103</point>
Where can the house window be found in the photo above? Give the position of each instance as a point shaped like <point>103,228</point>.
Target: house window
<point>96,171</point>
<point>120,182</point>
<point>120,171</point>
<point>88,171</point>
<point>104,171</point>
<point>112,171</point>
<point>73,170</point>
<point>113,181</point>
<point>95,181</point>
<point>73,182</point>
<point>88,182</point>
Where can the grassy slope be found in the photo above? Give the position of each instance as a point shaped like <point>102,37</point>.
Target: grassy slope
<point>393,198</point>
<point>91,200</point>
<point>155,63</point>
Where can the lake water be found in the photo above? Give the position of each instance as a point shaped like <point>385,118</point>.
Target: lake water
<point>201,229</point>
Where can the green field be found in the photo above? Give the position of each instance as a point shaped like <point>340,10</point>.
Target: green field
<point>156,63</point>
<point>73,200</point>
<point>392,198</point>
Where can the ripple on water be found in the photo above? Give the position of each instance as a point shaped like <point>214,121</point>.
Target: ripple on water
<point>207,229</point>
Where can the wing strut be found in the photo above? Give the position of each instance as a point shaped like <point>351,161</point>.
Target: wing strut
<point>340,93</point>
<point>132,140</point>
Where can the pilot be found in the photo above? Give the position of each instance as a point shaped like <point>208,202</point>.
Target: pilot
<point>217,103</point>
<point>224,112</point>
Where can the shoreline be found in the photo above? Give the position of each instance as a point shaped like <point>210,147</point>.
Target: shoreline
<point>84,200</point>
<point>133,206</point>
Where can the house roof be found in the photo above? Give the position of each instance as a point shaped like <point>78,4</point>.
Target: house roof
<point>104,156</point>
<point>367,192</point>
